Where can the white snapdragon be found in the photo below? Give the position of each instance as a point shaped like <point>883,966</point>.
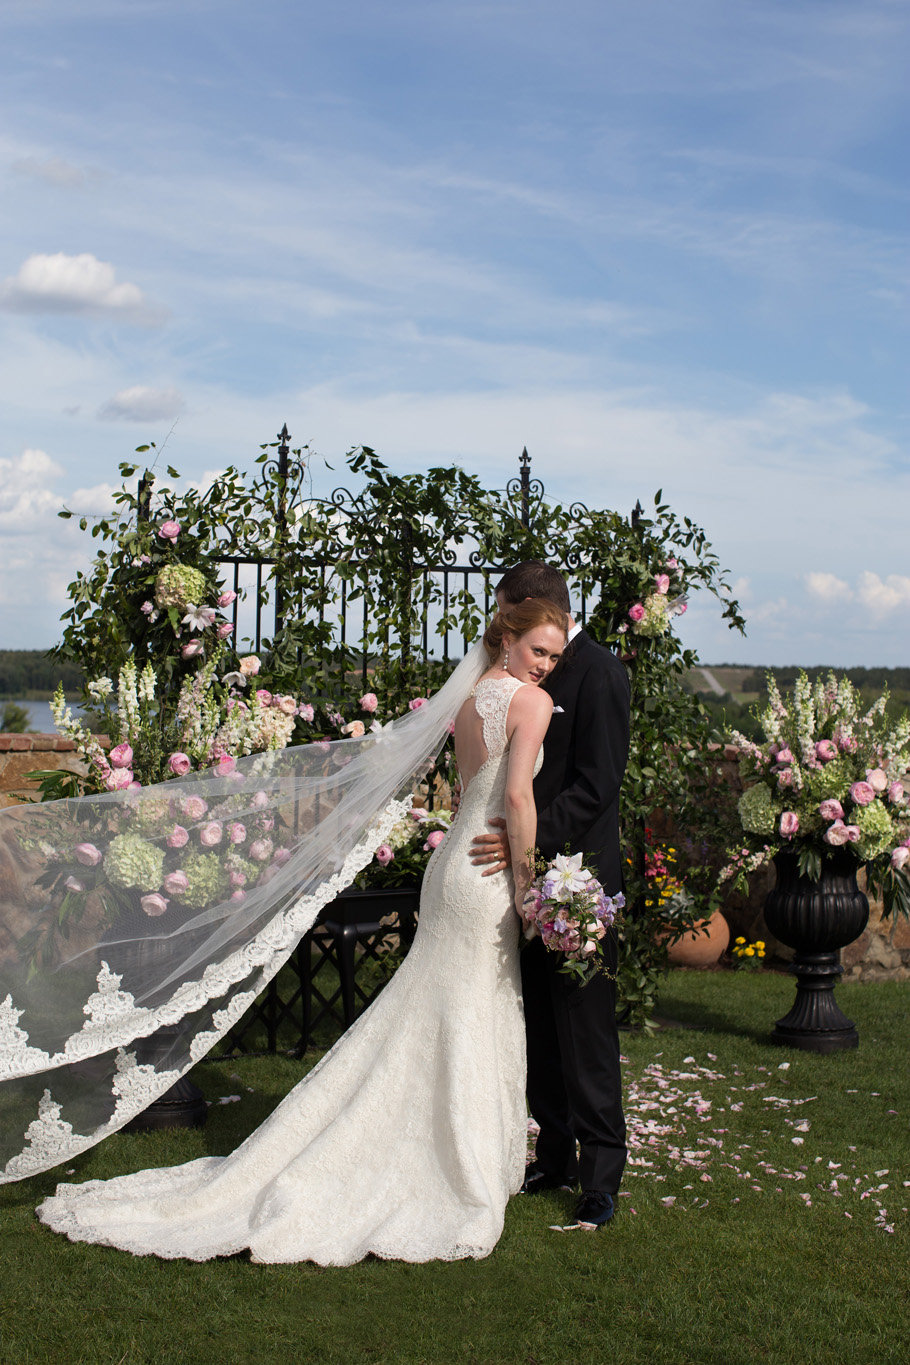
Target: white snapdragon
<point>146,685</point>
<point>100,688</point>
<point>128,702</point>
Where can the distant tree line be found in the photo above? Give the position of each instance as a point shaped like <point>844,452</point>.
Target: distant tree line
<point>25,672</point>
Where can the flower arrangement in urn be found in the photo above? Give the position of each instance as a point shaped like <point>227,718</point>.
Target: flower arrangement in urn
<point>827,776</point>
<point>402,860</point>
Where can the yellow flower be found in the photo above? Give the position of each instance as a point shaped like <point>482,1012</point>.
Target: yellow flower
<point>761,952</point>
<point>759,943</point>
<point>740,940</point>
<point>749,952</point>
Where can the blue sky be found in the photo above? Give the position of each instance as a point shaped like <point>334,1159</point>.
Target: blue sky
<point>661,245</point>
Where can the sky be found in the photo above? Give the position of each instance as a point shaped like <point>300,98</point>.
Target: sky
<point>660,245</point>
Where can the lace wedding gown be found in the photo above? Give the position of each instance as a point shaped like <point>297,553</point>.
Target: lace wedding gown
<point>407,1139</point>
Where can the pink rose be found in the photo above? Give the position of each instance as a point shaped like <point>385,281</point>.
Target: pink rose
<point>416,702</point>
<point>118,779</point>
<point>789,824</point>
<point>637,612</point>
<point>169,530</point>
<point>225,629</point>
<point>784,756</point>
<point>368,702</point>
<point>785,777</point>
<point>876,777</point>
<point>261,850</point>
<point>853,833</point>
<point>154,905</point>
<point>236,832</point>
<point>259,801</point>
<point>899,857</point>
<point>175,883</point>
<point>74,884</point>
<point>250,665</point>
<point>238,879</point>
<point>846,743</point>
<point>681,608</point>
<point>434,839</point>
<point>177,837</point>
<point>384,855</point>
<point>226,598</point>
<point>861,793</point>
<point>831,810</point>
<point>121,756</point>
<point>306,712</point>
<point>836,834</point>
<point>179,764</point>
<point>662,583</point>
<point>264,696</point>
<point>896,793</point>
<point>210,834</point>
<point>266,822</point>
<point>194,808</point>
<point>190,650</point>
<point>825,750</point>
<point>87,854</point>
<point>237,895</point>
<point>282,856</point>
<point>355,729</point>
<point>287,705</point>
<point>451,727</point>
<point>135,786</point>
<point>224,765</point>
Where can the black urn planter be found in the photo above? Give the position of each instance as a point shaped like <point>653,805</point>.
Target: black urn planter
<point>817,919</point>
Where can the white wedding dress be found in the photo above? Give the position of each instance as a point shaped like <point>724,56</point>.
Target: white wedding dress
<point>407,1139</point>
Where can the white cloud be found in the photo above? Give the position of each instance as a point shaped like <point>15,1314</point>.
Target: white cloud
<point>883,596</point>
<point>55,171</point>
<point>828,588</point>
<point>142,404</point>
<point>25,495</point>
<point>71,284</point>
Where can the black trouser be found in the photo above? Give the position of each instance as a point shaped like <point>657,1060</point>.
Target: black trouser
<point>574,1081</point>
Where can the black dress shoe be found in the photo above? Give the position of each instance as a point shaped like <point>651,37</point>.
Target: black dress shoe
<point>594,1209</point>
<point>536,1182</point>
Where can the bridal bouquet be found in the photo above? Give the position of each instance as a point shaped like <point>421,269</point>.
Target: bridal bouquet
<point>567,906</point>
<point>827,776</point>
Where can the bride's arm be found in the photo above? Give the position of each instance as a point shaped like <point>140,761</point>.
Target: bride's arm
<point>529,716</point>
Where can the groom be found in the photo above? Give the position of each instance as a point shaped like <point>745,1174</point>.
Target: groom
<point>574,1083</point>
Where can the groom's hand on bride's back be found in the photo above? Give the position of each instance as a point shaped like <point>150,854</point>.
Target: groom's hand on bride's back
<point>491,851</point>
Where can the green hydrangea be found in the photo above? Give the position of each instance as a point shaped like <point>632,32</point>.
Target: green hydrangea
<point>207,880</point>
<point>131,861</point>
<point>154,814</point>
<point>876,830</point>
<point>833,780</point>
<point>177,585</point>
<point>757,811</point>
<point>655,620</point>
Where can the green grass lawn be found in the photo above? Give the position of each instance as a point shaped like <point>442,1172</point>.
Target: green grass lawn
<point>754,1225</point>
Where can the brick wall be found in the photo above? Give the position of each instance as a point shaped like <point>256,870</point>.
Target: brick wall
<point>21,755</point>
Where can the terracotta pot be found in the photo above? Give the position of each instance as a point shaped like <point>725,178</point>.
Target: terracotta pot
<point>700,949</point>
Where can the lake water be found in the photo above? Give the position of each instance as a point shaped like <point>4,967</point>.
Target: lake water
<point>39,715</point>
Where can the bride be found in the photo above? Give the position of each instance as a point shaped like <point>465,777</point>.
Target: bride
<point>407,1139</point>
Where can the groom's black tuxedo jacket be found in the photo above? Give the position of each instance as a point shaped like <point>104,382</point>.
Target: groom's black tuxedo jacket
<point>585,750</point>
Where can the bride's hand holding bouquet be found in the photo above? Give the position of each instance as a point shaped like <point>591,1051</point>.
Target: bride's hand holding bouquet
<point>568,908</point>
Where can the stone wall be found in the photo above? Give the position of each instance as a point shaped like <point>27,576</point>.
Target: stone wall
<point>21,755</point>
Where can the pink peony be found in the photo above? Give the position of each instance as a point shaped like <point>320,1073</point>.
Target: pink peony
<point>194,807</point>
<point>179,764</point>
<point>238,879</point>
<point>226,598</point>
<point>899,857</point>
<point>637,612</point>
<point>368,702</point>
<point>354,728</point>
<point>825,750</point>
<point>87,854</point>
<point>836,834</point>
<point>177,838</point>
<point>135,785</point>
<point>789,824</point>
<point>260,800</point>
<point>224,765</point>
<point>169,530</point>
<point>287,705</point>
<point>785,777</point>
<point>238,895</point>
<point>862,793</point>
<point>175,883</point>
<point>416,702</point>
<point>118,779</point>
<point>306,712</point>
<point>250,665</point>
<point>225,629</point>
<point>190,650</point>
<point>236,832</point>
<point>784,756</point>
<point>877,779</point>
<point>121,756</point>
<point>261,850</point>
<point>74,884</point>
<point>662,583</point>
<point>434,839</point>
<point>282,856</point>
<point>831,810</point>
<point>896,793</point>
<point>211,834</point>
<point>263,696</point>
<point>853,833</point>
<point>384,855</point>
<point>154,904</point>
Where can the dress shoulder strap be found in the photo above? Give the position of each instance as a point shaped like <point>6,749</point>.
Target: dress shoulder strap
<point>492,697</point>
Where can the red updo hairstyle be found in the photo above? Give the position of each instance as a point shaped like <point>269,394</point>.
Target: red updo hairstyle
<point>519,619</point>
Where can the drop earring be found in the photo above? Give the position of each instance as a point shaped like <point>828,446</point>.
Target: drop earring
<point>505,660</point>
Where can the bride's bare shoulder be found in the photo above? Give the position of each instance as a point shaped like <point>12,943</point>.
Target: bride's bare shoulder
<point>531,703</point>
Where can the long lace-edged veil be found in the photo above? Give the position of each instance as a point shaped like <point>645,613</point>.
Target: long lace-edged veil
<point>101,945</point>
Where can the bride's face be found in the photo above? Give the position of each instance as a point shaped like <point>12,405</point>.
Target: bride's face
<point>536,653</point>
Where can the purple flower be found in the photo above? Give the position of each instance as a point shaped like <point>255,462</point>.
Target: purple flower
<point>154,904</point>
<point>789,824</point>
<point>121,756</point>
<point>147,608</point>
<point>825,750</point>
<point>384,855</point>
<point>179,764</point>
<point>87,854</point>
<point>175,883</point>
<point>177,837</point>
<point>862,793</point>
<point>831,810</point>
